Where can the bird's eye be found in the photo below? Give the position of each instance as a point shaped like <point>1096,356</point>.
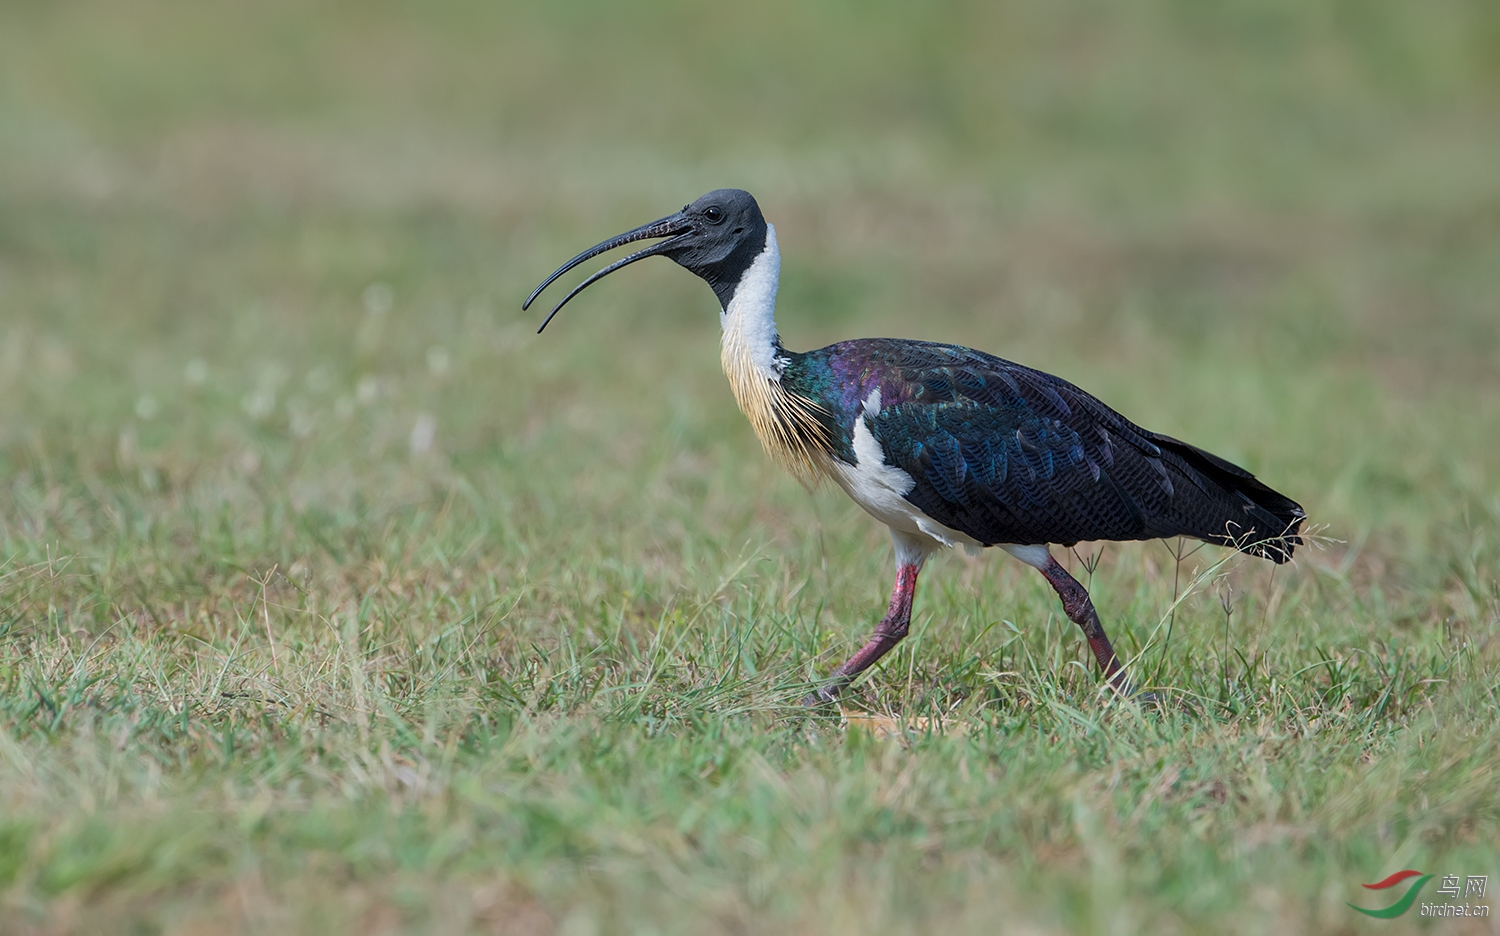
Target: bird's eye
<point>713,214</point>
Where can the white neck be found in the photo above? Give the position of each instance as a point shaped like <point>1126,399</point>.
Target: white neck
<point>750,319</point>
<point>787,424</point>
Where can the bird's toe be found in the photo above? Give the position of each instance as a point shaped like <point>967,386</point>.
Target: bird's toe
<point>822,697</point>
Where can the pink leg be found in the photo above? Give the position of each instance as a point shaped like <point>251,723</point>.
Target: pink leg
<point>1080,610</point>
<point>888,633</point>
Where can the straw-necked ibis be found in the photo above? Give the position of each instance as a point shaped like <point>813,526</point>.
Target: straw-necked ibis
<point>946,445</point>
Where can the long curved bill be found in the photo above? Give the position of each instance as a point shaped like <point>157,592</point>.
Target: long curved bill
<point>673,227</point>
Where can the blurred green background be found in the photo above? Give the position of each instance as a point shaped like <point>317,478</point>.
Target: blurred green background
<point>262,362</point>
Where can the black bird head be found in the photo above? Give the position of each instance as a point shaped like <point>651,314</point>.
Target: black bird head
<point>717,237</point>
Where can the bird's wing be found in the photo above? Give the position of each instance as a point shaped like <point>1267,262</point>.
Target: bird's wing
<point>1008,454</point>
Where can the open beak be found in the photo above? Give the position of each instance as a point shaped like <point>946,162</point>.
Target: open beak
<point>673,227</point>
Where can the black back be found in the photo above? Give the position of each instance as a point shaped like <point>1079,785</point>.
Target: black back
<point>1008,454</point>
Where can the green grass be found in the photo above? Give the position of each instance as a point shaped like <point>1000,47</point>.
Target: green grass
<point>268,666</point>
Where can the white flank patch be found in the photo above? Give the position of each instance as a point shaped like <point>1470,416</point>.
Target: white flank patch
<point>750,319</point>
<point>1035,556</point>
<point>881,489</point>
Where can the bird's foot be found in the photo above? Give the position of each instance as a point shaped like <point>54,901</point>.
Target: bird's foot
<point>823,696</point>
<point>1127,691</point>
<point>1143,698</point>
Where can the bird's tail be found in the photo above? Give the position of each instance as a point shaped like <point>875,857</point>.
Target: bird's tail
<point>1251,517</point>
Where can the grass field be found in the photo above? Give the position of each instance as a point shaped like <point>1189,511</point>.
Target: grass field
<point>334,599</point>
